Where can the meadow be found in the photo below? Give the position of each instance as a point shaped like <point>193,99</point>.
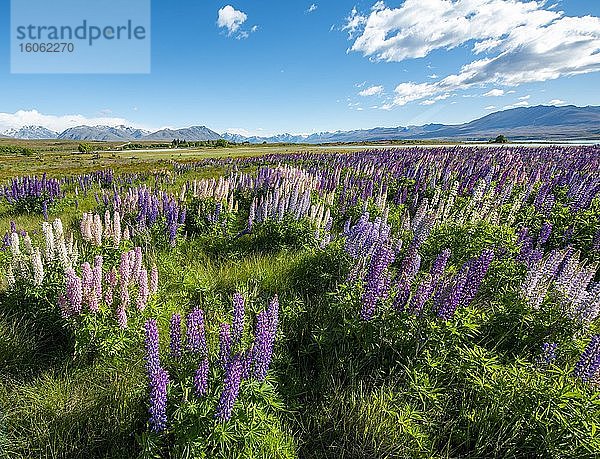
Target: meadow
<point>296,302</point>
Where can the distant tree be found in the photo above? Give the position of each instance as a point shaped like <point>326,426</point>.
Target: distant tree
<point>85,148</point>
<point>221,143</point>
<point>500,139</point>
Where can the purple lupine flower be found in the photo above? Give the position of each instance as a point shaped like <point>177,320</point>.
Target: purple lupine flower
<point>231,388</point>
<point>476,274</point>
<point>97,271</point>
<point>195,334</point>
<point>264,339</point>
<point>154,280</point>
<point>422,294</point>
<point>74,292</point>
<point>548,353</point>
<point>108,296</point>
<point>439,265</point>
<point>247,362</point>
<point>175,334</point>
<point>377,280</point>
<point>63,304</point>
<point>159,380</point>
<point>448,308</point>
<point>238,317</point>
<point>402,296</point>
<point>545,233</point>
<point>137,263</point>
<point>201,378</point>
<point>87,279</point>
<point>588,365</point>
<point>112,284</point>
<point>124,269</point>
<point>224,344</point>
<point>152,346</point>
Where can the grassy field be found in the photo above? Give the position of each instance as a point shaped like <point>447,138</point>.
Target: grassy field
<point>408,323</point>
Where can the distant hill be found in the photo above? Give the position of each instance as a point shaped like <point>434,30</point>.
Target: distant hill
<point>524,123</point>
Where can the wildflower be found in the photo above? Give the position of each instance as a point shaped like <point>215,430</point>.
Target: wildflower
<point>201,378</point>
<point>264,339</point>
<point>195,334</point>
<point>74,292</point>
<point>154,279</point>
<point>224,344</point>
<point>175,335</point>
<point>159,381</point>
<point>589,363</point>
<point>231,388</point>
<point>548,353</point>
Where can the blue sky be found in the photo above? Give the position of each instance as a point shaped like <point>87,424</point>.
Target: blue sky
<point>269,67</point>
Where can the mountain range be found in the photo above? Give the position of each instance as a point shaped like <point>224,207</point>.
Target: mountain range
<point>523,123</point>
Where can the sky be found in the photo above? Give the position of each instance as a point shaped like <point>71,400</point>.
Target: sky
<point>259,67</point>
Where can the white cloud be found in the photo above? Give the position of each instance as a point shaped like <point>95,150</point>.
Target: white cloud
<point>557,102</point>
<point>354,22</point>
<point>371,91</point>
<point>523,42</point>
<point>490,107</point>
<point>57,123</point>
<point>231,19</point>
<point>527,97</point>
<point>311,8</point>
<point>433,76</point>
<point>418,27</point>
<point>494,93</point>
<point>523,103</point>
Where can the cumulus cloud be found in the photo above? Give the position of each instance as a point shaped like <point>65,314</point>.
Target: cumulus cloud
<point>494,93</point>
<point>311,8</point>
<point>557,102</point>
<point>57,123</point>
<point>231,19</point>
<point>371,91</point>
<point>490,107</point>
<point>517,42</point>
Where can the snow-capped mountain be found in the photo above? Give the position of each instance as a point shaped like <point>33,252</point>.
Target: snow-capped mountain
<point>103,133</point>
<point>31,133</point>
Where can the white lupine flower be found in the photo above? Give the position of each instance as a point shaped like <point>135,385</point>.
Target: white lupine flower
<point>49,236</point>
<point>126,234</point>
<point>75,253</point>
<point>38,267</point>
<point>27,245</point>
<point>10,277</point>
<point>14,245</point>
<point>58,228</point>
<point>86,227</point>
<point>97,230</point>
<point>107,224</point>
<point>117,228</point>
